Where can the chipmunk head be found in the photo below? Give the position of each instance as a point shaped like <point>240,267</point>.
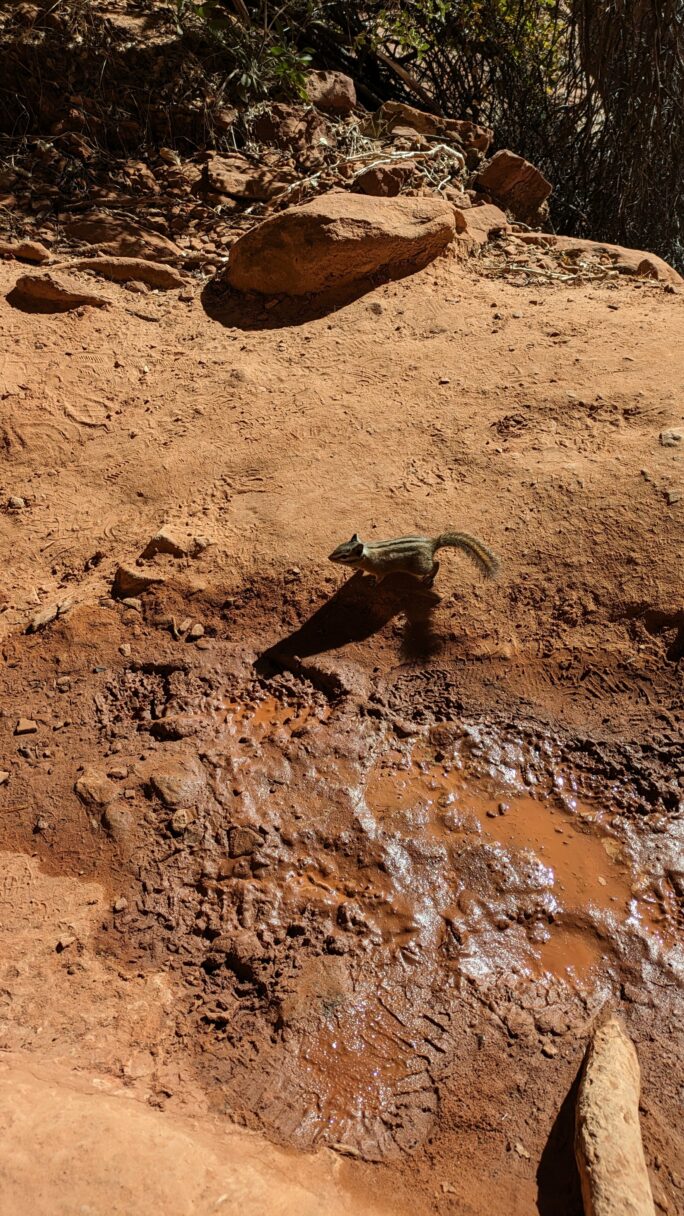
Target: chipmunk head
<point>348,553</point>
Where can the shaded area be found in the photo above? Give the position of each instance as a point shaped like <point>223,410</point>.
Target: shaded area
<point>139,71</point>
<point>355,612</point>
<point>25,302</point>
<point>558,1182</point>
<point>236,310</point>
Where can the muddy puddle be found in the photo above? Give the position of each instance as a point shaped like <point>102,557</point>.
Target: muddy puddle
<point>565,858</point>
<point>396,882</point>
<point>351,906</point>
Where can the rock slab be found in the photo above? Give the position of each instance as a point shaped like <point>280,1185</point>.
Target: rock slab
<point>608,1147</point>
<point>338,239</point>
<point>396,114</point>
<point>69,1144</point>
<point>125,270</point>
<point>626,261</point>
<point>50,293</point>
<point>516,184</point>
<point>122,237</point>
<point>25,251</point>
<point>236,177</point>
<point>130,581</point>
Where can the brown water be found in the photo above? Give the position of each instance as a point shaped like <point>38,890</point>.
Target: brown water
<point>524,883</point>
<point>578,864</point>
<point>354,1068</point>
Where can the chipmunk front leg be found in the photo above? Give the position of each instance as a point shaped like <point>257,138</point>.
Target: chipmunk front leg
<point>430,578</point>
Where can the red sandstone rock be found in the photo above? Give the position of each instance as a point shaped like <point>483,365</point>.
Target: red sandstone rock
<point>338,239</point>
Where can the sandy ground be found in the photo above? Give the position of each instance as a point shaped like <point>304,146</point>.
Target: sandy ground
<point>334,994</point>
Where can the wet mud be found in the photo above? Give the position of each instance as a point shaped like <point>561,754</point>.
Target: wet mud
<point>381,924</point>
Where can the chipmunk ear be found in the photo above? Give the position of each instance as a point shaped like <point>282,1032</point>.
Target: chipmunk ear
<point>355,539</point>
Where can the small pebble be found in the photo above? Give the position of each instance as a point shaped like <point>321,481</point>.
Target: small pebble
<point>26,726</point>
<point>15,503</point>
<point>125,649</point>
<point>180,821</point>
<point>120,905</point>
<point>196,632</point>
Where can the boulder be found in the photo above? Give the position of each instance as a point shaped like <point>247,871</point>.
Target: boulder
<point>49,293</point>
<point>516,185</point>
<point>400,118</point>
<point>608,1147</point>
<point>122,237</point>
<point>243,841</point>
<point>338,239</point>
<point>237,177</point>
<point>331,92</point>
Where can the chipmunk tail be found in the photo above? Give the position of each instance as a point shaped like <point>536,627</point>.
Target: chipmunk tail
<point>486,561</point>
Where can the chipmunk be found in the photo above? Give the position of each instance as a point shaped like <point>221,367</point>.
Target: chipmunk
<point>412,555</point>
